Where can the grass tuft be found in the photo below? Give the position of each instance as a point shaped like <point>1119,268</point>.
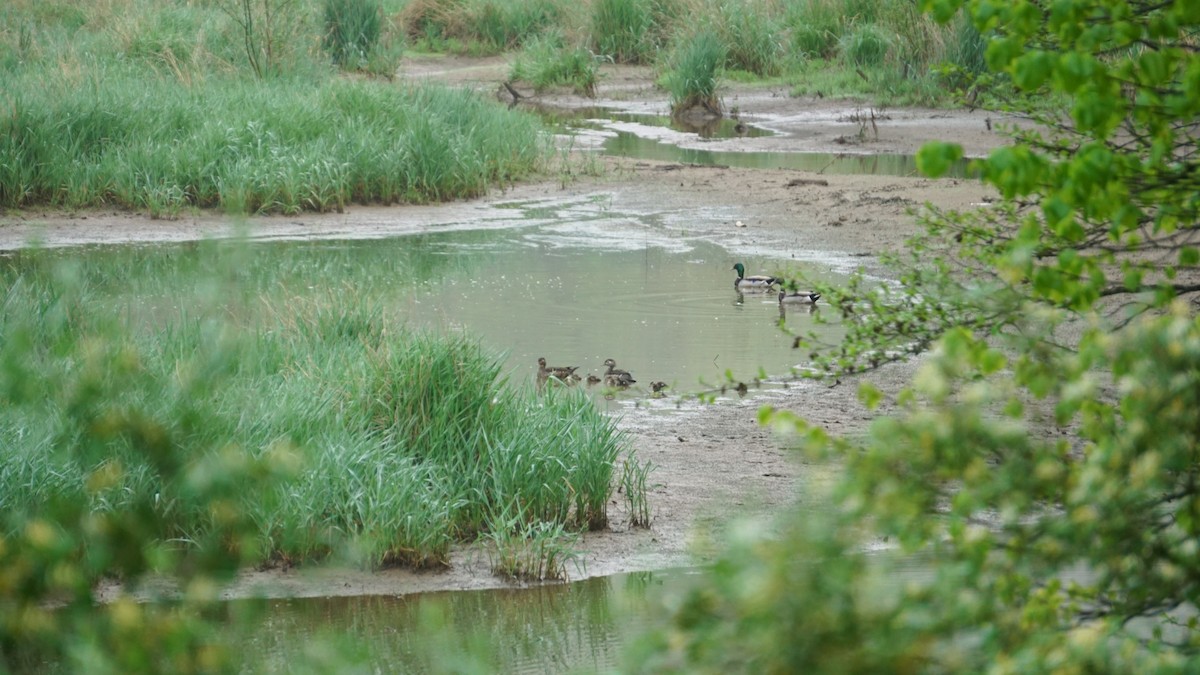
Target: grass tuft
<point>695,65</point>
<point>546,62</point>
<point>352,31</point>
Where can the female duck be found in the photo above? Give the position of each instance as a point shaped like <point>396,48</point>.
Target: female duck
<point>615,377</point>
<point>564,374</point>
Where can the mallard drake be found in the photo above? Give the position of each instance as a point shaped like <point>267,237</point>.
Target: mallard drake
<point>564,374</point>
<point>799,297</point>
<point>614,377</point>
<point>756,281</point>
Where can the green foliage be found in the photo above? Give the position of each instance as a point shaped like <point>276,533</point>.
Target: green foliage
<point>99,457</point>
<point>266,28</point>
<point>481,26</point>
<point>751,38</point>
<point>865,46</point>
<point>189,413</point>
<point>816,27</point>
<point>628,31</point>
<point>508,24</point>
<point>283,146</point>
<point>1037,486</point>
<point>695,66</point>
<point>530,550</point>
<point>633,485</point>
<point>352,30</point>
<point>546,62</point>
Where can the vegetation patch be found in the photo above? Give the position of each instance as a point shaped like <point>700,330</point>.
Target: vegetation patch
<point>284,146</point>
<point>692,80</point>
<point>547,62</point>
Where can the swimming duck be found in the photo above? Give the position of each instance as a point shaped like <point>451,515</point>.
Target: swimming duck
<point>799,297</point>
<point>615,377</point>
<point>564,374</point>
<point>757,281</point>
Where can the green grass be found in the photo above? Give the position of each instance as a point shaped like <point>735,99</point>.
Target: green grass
<point>398,443</point>
<point>696,64</point>
<point>628,31</point>
<point>279,146</point>
<point>547,62</point>
<point>481,27</point>
<point>752,38</point>
<point>139,105</point>
<point>167,108</point>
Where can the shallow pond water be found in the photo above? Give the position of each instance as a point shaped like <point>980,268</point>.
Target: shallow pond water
<point>575,291</point>
<point>582,626</point>
<point>666,310</point>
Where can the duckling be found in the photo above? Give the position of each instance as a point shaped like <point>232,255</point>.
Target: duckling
<point>592,379</point>
<point>799,297</point>
<point>760,282</point>
<point>615,377</point>
<point>656,389</point>
<point>564,374</point>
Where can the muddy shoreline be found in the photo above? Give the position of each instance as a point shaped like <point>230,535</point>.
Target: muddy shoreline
<point>712,465</point>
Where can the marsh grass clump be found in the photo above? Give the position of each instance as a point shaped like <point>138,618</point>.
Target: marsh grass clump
<point>865,46</point>
<point>752,38</point>
<point>480,26</point>
<point>529,550</point>
<point>629,31</point>
<point>695,65</point>
<point>280,147</point>
<point>285,135</point>
<point>353,29</point>
<point>398,443</point>
<point>511,23</point>
<point>815,28</point>
<point>548,62</point>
